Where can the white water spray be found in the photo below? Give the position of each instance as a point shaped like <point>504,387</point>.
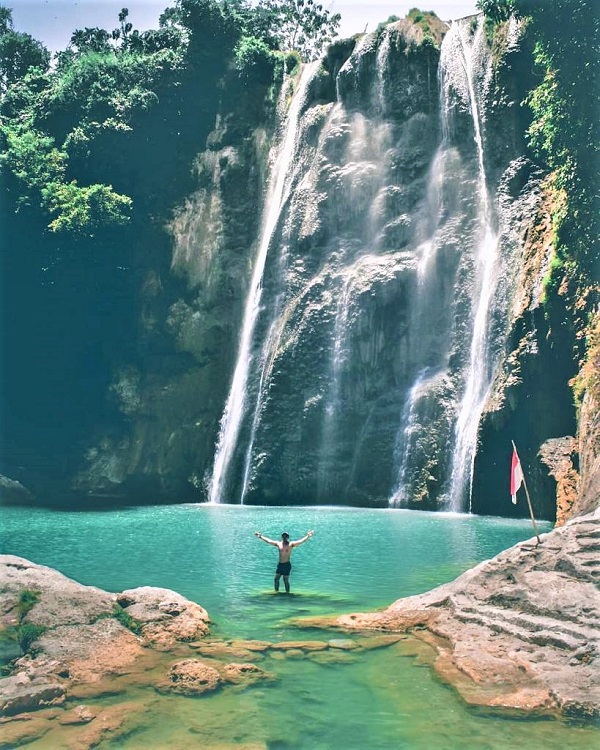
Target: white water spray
<point>277,196</point>
<point>338,359</point>
<point>463,58</point>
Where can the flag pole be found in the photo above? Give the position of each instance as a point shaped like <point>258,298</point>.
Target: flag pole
<point>535,528</point>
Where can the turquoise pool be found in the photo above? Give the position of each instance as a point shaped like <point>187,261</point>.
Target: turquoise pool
<point>358,559</point>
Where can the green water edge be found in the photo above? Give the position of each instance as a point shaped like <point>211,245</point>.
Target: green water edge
<point>391,699</point>
<point>383,698</point>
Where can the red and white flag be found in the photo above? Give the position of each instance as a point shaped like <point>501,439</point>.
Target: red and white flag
<point>516,475</point>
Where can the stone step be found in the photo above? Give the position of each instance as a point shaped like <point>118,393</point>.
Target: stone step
<point>535,624</point>
<point>538,637</point>
<point>589,548</point>
<point>588,618</point>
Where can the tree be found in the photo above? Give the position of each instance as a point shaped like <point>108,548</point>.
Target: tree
<point>6,22</point>
<point>301,25</point>
<point>18,52</point>
<point>90,40</point>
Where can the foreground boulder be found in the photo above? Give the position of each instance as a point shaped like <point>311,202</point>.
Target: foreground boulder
<point>164,617</point>
<point>519,632</point>
<point>72,635</point>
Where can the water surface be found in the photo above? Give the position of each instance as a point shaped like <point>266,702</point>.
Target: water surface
<point>358,559</point>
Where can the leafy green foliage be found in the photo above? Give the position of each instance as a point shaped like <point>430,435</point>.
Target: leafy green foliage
<point>26,633</point>
<point>423,20</point>
<point>35,161</point>
<point>588,378</point>
<point>95,153</point>
<point>497,10</point>
<point>254,59</point>
<point>90,40</point>
<point>84,210</point>
<point>114,126</point>
<point>564,135</point>
<point>126,620</point>
<point>301,25</point>
<point>18,52</point>
<point>565,131</point>
<point>391,19</point>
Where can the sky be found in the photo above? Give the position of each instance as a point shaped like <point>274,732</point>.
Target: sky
<point>53,21</point>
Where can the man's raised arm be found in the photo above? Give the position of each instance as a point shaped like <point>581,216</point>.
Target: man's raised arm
<point>265,539</point>
<point>298,542</point>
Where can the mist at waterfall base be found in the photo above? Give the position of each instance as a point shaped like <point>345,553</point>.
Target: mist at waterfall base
<point>366,354</point>
<point>358,559</point>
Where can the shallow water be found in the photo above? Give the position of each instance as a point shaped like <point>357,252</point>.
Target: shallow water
<point>357,560</point>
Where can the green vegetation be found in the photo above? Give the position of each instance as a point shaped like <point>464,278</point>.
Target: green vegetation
<point>28,634</point>
<point>125,619</point>
<point>110,130</point>
<point>25,633</point>
<point>588,378</point>
<point>301,25</point>
<point>383,24</point>
<point>18,52</point>
<point>564,136</point>
<point>27,599</point>
<point>423,19</point>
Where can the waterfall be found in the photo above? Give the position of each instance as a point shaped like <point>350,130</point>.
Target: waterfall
<point>464,62</point>
<point>267,355</point>
<point>425,316</point>
<point>404,441</point>
<point>332,406</point>
<point>277,196</point>
<point>364,368</point>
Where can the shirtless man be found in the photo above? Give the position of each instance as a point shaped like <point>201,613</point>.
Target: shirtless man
<point>285,548</point>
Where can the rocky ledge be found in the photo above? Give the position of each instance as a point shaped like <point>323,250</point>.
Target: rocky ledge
<point>66,646</point>
<point>520,632</point>
<point>65,642</point>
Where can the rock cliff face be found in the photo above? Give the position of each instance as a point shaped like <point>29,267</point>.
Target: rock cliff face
<point>190,310</point>
<point>400,341</point>
<point>388,288</point>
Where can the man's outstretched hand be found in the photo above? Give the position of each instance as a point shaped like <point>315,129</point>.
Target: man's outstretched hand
<point>310,533</point>
<point>257,533</point>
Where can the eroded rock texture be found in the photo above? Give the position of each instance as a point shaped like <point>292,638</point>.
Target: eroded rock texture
<point>520,631</point>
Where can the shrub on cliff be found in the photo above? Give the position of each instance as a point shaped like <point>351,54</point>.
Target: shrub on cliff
<point>565,136</point>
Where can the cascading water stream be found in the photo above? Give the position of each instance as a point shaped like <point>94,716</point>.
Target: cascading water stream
<point>333,401</point>
<point>424,302</point>
<point>277,196</point>
<point>400,493</point>
<point>267,356</point>
<point>470,55</point>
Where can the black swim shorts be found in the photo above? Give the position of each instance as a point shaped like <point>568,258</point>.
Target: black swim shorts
<point>284,569</point>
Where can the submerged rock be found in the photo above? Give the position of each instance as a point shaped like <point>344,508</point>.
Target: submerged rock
<point>16,731</point>
<point>196,677</point>
<point>110,724</point>
<point>77,715</point>
<point>191,677</point>
<point>244,673</point>
<point>20,693</point>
